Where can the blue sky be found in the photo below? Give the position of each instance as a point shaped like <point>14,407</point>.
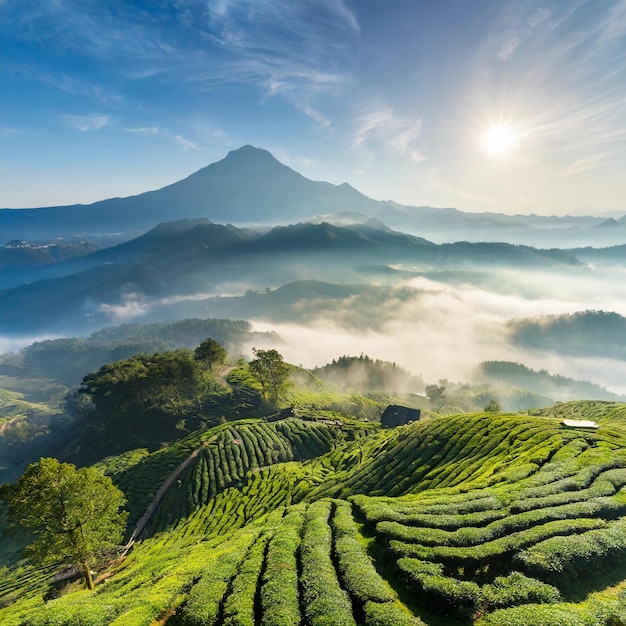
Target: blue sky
<point>516,107</point>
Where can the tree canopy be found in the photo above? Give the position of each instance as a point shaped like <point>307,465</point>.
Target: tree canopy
<point>271,372</point>
<point>144,391</point>
<point>73,514</point>
<point>210,352</point>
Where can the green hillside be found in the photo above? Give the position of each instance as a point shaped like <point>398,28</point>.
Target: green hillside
<point>474,518</point>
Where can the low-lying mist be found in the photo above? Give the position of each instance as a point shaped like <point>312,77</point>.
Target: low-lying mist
<point>438,323</point>
<point>445,331</point>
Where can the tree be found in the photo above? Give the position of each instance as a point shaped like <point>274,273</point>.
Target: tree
<point>72,513</point>
<point>271,372</point>
<point>434,392</point>
<point>210,352</point>
<point>493,406</point>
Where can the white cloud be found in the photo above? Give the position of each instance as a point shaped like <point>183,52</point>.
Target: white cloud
<point>508,47</point>
<point>402,142</point>
<point>185,144</point>
<point>369,123</point>
<point>445,331</point>
<point>85,123</point>
<point>383,130</point>
<point>144,130</point>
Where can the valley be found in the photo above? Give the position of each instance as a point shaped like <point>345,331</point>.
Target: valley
<point>224,352</point>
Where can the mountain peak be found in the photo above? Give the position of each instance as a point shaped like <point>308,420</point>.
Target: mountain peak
<point>249,153</point>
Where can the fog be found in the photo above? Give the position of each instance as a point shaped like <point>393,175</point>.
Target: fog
<point>440,327</point>
<point>446,331</point>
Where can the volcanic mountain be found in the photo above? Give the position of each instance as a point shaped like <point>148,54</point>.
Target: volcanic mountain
<point>248,186</point>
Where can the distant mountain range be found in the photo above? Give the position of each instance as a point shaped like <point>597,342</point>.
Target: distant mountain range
<point>177,261</point>
<point>250,187</point>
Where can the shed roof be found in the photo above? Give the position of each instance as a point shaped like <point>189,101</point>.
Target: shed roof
<point>580,424</point>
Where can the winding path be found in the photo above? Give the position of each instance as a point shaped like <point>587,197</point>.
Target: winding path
<point>158,496</point>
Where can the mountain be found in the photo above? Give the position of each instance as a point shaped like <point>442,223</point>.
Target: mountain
<point>250,186</point>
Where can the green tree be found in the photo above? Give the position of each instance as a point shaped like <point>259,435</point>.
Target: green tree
<point>73,514</point>
<point>210,352</point>
<point>271,372</point>
<point>493,406</point>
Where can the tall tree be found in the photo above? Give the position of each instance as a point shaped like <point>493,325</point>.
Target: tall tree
<point>271,372</point>
<point>210,352</point>
<point>73,514</point>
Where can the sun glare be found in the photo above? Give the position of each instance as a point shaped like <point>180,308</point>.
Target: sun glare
<point>499,140</point>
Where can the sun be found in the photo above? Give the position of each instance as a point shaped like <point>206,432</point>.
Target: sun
<point>499,140</point>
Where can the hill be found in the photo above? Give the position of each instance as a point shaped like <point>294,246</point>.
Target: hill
<point>476,518</point>
<point>542,382</point>
<point>598,333</point>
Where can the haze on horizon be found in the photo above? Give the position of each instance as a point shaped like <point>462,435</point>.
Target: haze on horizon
<point>493,106</point>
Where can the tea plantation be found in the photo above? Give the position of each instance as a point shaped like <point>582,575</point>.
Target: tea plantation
<point>485,518</point>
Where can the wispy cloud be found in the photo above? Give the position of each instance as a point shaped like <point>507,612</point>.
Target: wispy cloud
<point>85,123</point>
<point>585,164</point>
<point>182,142</point>
<point>395,133</point>
<point>185,144</point>
<point>296,50</point>
<point>370,124</point>
<point>143,130</point>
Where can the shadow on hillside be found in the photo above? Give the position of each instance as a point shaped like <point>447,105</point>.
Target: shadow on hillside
<point>611,575</point>
<point>386,568</point>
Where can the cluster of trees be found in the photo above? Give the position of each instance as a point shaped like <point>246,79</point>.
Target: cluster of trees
<point>541,381</point>
<point>584,333</point>
<point>148,398</point>
<point>67,360</point>
<point>148,391</point>
<point>369,374</point>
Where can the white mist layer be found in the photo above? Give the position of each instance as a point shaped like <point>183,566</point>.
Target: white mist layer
<point>447,331</point>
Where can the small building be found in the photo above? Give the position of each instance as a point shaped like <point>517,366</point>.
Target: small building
<point>584,424</point>
<point>395,415</point>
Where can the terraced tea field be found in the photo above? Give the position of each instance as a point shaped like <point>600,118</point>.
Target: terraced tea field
<point>482,518</point>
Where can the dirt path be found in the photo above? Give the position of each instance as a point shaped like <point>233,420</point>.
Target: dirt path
<point>158,496</point>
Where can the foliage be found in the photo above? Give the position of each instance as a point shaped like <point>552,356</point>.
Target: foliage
<point>435,392</point>
<point>68,359</point>
<point>495,518</point>
<point>600,333</point>
<point>554,386</point>
<point>271,372</point>
<point>141,400</point>
<point>369,374</point>
<point>493,407</point>
<point>210,352</point>
<point>72,514</point>
<point>325,602</point>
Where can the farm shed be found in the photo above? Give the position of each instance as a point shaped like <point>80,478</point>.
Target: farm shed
<point>396,415</point>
